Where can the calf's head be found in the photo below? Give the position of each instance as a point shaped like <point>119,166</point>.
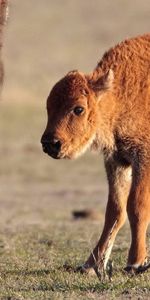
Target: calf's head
<point>73,114</point>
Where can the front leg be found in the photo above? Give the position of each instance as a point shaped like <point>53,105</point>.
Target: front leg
<point>119,178</point>
<point>139,215</point>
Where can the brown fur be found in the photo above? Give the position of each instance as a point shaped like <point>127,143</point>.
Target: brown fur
<point>116,120</point>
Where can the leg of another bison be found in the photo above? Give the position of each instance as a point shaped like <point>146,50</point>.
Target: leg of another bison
<point>3,18</point>
<point>139,215</point>
<point>119,178</point>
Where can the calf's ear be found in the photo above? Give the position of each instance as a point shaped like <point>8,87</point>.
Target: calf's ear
<point>102,84</point>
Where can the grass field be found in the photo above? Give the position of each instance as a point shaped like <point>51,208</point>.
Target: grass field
<point>38,236</point>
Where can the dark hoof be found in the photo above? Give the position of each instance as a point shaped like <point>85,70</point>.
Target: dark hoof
<point>130,269</point>
<point>140,269</point>
<point>143,268</point>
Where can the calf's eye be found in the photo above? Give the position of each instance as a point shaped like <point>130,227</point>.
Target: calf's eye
<point>78,110</point>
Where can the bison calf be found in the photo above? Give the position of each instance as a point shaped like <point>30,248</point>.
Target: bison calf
<point>109,110</point>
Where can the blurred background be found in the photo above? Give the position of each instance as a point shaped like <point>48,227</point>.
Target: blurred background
<point>43,41</point>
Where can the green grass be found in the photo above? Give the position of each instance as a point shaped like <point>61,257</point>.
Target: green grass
<point>32,263</point>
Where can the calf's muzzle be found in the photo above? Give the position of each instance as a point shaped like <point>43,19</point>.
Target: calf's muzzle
<point>51,146</point>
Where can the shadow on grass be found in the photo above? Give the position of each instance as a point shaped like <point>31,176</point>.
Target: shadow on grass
<point>29,272</point>
<point>41,272</point>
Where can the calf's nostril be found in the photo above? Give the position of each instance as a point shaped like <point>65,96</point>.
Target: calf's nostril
<point>55,145</point>
<point>50,145</point>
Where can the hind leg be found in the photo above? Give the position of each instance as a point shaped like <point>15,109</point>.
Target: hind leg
<point>139,215</point>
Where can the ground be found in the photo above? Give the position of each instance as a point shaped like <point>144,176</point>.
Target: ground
<point>39,239</point>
